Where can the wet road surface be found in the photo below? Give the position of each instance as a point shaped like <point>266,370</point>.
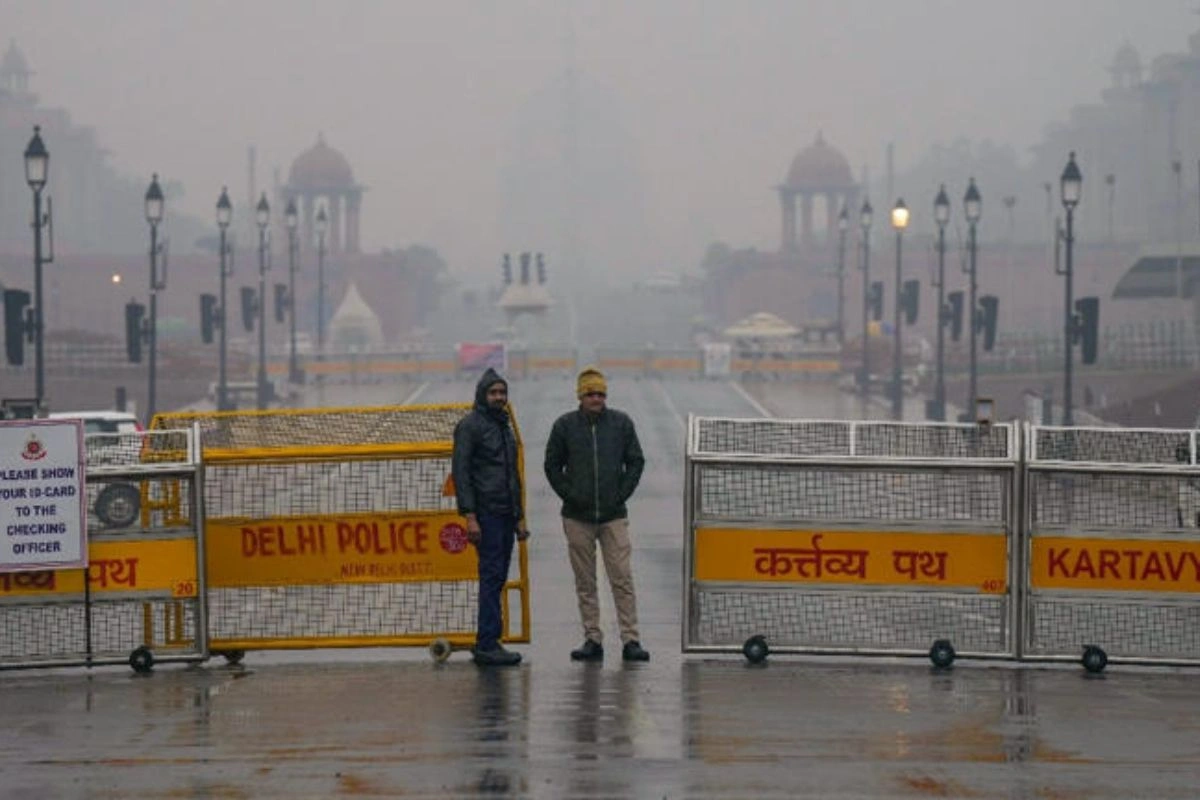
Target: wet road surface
<point>389,723</point>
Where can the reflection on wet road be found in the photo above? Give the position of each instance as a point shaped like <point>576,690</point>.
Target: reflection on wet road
<point>389,723</point>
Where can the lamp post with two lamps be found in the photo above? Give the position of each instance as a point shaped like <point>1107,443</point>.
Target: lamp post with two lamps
<point>973,209</point>
<point>262,216</point>
<point>1071,186</point>
<point>158,282</point>
<point>864,379</point>
<point>37,170</point>
<point>292,219</point>
<point>899,223</point>
<point>224,217</point>
<point>843,223</point>
<point>322,225</point>
<point>941,215</point>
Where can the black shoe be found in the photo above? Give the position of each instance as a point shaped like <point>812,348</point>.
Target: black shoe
<point>633,651</point>
<point>497,657</point>
<point>589,651</point>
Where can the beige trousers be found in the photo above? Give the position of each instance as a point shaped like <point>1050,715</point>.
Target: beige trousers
<point>613,538</point>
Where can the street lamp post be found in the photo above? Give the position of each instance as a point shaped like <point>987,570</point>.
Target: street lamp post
<point>843,222</point>
<point>322,224</point>
<point>291,219</point>
<point>154,215</point>
<point>941,215</point>
<point>864,379</point>
<point>973,209</point>
<point>899,222</point>
<point>37,168</point>
<point>224,216</point>
<point>262,216</point>
<point>1071,186</point>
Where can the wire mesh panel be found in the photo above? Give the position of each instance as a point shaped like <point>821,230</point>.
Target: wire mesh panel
<point>1113,549</point>
<point>143,587</point>
<point>850,537</point>
<point>344,534</point>
<point>1142,446</point>
<point>852,439</point>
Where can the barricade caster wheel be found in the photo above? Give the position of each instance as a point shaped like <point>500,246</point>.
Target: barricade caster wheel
<point>440,650</point>
<point>1094,659</point>
<point>755,649</point>
<point>142,660</point>
<point>233,656</point>
<point>942,654</point>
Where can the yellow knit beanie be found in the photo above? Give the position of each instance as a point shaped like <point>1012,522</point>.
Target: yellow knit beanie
<point>590,380</point>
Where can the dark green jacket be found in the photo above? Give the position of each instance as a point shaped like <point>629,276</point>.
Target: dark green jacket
<point>594,464</point>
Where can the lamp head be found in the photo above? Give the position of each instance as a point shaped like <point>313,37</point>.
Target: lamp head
<point>941,207</point>
<point>154,202</point>
<point>224,209</point>
<point>972,203</point>
<point>1071,183</point>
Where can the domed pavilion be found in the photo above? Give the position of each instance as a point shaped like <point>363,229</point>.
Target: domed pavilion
<point>818,174</point>
<point>321,177</point>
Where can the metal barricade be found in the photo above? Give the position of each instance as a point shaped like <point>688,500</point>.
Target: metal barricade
<point>1112,557</point>
<point>338,528</point>
<point>850,537</point>
<point>141,599</point>
<point>550,362</point>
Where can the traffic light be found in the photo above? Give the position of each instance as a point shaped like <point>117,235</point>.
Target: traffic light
<point>524,269</point>
<point>135,314</point>
<point>208,317</point>
<point>249,307</point>
<point>954,315</point>
<point>1087,326</point>
<point>281,301</point>
<point>875,300</point>
<point>541,269</point>
<point>989,309</point>
<point>16,326</point>
<point>909,300</point>
<point>507,270</point>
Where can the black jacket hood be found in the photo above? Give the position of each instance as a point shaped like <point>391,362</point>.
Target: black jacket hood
<point>486,381</point>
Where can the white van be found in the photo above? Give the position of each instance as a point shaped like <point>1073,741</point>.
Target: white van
<point>102,421</point>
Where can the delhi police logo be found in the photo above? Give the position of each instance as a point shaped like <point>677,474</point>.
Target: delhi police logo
<point>453,538</point>
<point>34,449</point>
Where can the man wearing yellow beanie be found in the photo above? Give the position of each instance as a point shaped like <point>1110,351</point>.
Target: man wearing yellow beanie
<point>594,462</point>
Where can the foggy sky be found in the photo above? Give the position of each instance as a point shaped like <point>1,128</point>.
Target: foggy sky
<point>426,99</point>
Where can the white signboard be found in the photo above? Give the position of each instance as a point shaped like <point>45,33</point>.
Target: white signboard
<point>718,359</point>
<point>43,503</point>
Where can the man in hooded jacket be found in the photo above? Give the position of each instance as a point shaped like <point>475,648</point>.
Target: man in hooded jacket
<point>488,490</point>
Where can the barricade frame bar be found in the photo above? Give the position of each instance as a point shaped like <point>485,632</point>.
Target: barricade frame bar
<point>180,518</point>
<point>1004,605</point>
<point>1114,619</point>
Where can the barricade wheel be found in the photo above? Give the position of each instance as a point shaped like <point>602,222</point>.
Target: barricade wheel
<point>118,505</point>
<point>142,660</point>
<point>942,654</point>
<point>440,650</point>
<point>755,649</point>
<point>1094,659</point>
<point>234,656</point>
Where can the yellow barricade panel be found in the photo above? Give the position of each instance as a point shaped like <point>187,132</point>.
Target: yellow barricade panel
<point>335,528</point>
<point>942,560</point>
<point>1138,565</point>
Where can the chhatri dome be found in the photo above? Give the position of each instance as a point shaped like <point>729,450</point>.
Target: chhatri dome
<point>818,173</point>
<point>819,166</point>
<point>321,167</point>
<point>321,177</point>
